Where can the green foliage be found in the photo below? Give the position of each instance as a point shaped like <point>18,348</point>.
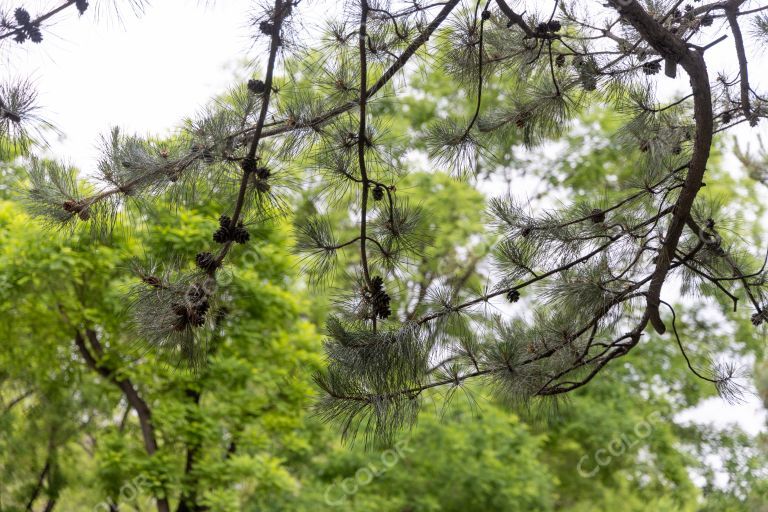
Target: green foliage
<point>250,393</point>
<point>194,393</point>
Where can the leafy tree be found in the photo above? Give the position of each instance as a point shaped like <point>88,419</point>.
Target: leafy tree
<point>91,408</point>
<point>409,320</point>
<point>241,418</point>
<point>295,464</point>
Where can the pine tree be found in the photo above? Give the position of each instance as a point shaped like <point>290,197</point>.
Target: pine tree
<point>586,279</point>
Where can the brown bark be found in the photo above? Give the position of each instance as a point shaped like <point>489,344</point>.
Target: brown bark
<point>672,47</point>
<point>129,391</point>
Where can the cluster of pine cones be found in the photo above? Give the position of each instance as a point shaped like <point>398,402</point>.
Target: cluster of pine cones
<point>228,233</point>
<point>191,312</point>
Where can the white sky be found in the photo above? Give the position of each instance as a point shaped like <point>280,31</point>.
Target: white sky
<point>149,72</point>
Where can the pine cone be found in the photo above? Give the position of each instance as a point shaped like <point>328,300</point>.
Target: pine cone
<point>222,235</point>
<point>378,299</point>
<point>513,296</point>
<point>248,165</point>
<point>152,281</point>
<point>256,86</point>
<point>22,16</point>
<point>266,28</point>
<point>206,261</point>
<point>707,20</point>
<point>33,31</point>
<point>651,68</point>
<point>70,205</point>
<point>597,216</point>
<point>82,6</point>
<point>554,26</point>
<point>263,173</point>
<point>240,234</point>
<point>378,193</point>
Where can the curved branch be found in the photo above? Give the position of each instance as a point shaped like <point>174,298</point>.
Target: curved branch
<point>129,390</point>
<point>673,48</point>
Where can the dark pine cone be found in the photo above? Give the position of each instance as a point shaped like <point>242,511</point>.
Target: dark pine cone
<point>727,117</point>
<point>249,165</point>
<point>206,261</point>
<point>266,28</point>
<point>513,296</point>
<point>223,234</point>
<point>22,16</point>
<point>189,315</point>
<point>597,216</point>
<point>486,15</point>
<point>70,205</point>
<point>651,68</point>
<point>152,281</point>
<point>73,206</point>
<point>378,193</point>
<point>554,26</point>
<point>192,311</point>
<point>560,60</point>
<point>256,86</point>
<point>82,6</point>
<point>33,31</point>
<point>228,233</point>
<point>379,299</point>
<point>263,173</point>
<point>240,234</point>
<point>758,318</point>
<point>707,20</point>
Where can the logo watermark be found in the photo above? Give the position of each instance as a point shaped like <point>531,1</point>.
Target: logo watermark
<point>337,493</point>
<point>618,446</point>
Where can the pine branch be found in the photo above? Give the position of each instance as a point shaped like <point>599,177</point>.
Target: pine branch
<point>671,47</point>
<point>285,126</point>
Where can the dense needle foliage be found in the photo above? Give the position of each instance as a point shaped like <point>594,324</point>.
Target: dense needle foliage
<point>583,281</point>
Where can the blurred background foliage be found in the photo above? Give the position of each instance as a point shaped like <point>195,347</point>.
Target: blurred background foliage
<point>240,433</point>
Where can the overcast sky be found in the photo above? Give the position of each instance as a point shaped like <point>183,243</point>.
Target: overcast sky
<point>148,72</point>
